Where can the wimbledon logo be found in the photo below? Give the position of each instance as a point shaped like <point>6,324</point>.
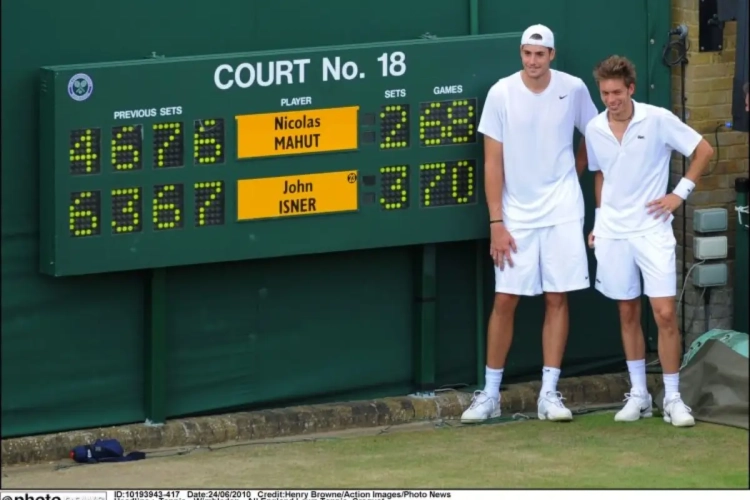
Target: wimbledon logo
<point>80,87</point>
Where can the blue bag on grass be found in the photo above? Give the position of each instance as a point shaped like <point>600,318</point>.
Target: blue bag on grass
<point>104,450</point>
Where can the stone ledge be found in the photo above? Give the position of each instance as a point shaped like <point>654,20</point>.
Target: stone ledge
<point>302,420</point>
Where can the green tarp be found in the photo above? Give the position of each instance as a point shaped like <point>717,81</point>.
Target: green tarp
<point>714,379</point>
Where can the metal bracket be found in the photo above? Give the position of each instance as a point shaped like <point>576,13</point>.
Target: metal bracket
<point>727,9</point>
<point>710,28</point>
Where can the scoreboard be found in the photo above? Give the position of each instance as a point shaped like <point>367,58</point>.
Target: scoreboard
<point>179,161</point>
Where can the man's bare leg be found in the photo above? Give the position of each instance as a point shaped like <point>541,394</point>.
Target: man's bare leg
<point>633,343</point>
<point>555,329</point>
<point>639,403</point>
<point>500,329</point>
<point>499,340</point>
<point>631,331</point>
<point>486,404</point>
<point>665,315</point>
<point>554,340</point>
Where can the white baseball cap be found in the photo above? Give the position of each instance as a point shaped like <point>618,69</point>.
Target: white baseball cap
<point>548,39</point>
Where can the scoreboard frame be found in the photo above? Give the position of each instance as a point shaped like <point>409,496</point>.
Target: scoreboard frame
<point>386,169</point>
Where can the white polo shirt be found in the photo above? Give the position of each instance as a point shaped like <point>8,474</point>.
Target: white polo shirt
<point>636,171</point>
<point>541,185</point>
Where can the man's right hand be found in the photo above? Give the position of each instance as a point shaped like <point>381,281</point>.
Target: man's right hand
<point>501,244</point>
<point>591,239</point>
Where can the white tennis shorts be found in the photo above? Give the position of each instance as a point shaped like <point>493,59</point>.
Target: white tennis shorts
<point>548,259</point>
<point>619,264</point>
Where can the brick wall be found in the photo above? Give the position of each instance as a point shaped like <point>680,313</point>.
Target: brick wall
<point>708,89</point>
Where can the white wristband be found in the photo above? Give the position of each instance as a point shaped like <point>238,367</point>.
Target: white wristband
<point>684,188</point>
<point>596,215</point>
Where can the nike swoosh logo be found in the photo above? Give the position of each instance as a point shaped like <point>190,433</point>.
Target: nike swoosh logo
<point>563,96</point>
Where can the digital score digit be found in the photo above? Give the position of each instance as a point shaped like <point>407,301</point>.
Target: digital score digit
<point>447,183</point>
<point>168,145</point>
<point>127,210</point>
<point>85,151</point>
<point>127,147</point>
<point>447,122</point>
<point>394,126</point>
<point>85,213</point>
<point>209,203</point>
<point>394,187</point>
<point>208,137</point>
<point>167,206</point>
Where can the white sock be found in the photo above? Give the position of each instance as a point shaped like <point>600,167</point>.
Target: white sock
<point>637,371</point>
<point>671,385</point>
<point>493,377</point>
<point>550,376</point>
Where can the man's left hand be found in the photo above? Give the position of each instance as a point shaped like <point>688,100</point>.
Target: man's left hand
<point>664,206</point>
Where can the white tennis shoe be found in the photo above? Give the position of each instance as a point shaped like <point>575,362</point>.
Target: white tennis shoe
<point>482,408</point>
<point>677,413</point>
<point>550,407</point>
<point>638,404</point>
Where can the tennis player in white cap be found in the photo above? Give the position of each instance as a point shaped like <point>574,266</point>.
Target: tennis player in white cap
<point>536,211</point>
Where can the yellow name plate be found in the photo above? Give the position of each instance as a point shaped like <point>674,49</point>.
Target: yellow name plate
<point>297,132</point>
<point>293,195</point>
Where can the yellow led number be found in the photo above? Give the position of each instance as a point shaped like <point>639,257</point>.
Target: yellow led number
<point>85,208</point>
<point>447,122</point>
<point>209,203</point>
<point>126,210</point>
<point>167,206</point>
<point>208,137</point>
<point>127,148</point>
<point>394,126</point>
<point>394,187</point>
<point>447,183</point>
<point>85,150</point>
<point>168,145</point>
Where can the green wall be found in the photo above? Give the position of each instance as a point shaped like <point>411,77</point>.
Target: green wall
<point>76,351</point>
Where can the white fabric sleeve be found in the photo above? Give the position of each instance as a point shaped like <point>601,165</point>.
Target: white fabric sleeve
<point>592,161</point>
<point>678,135</point>
<point>585,108</point>
<point>491,122</point>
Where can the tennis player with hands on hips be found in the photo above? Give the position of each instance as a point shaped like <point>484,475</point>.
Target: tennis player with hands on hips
<point>629,148</point>
<point>536,211</point>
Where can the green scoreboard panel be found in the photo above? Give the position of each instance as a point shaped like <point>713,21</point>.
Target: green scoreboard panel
<point>179,161</point>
